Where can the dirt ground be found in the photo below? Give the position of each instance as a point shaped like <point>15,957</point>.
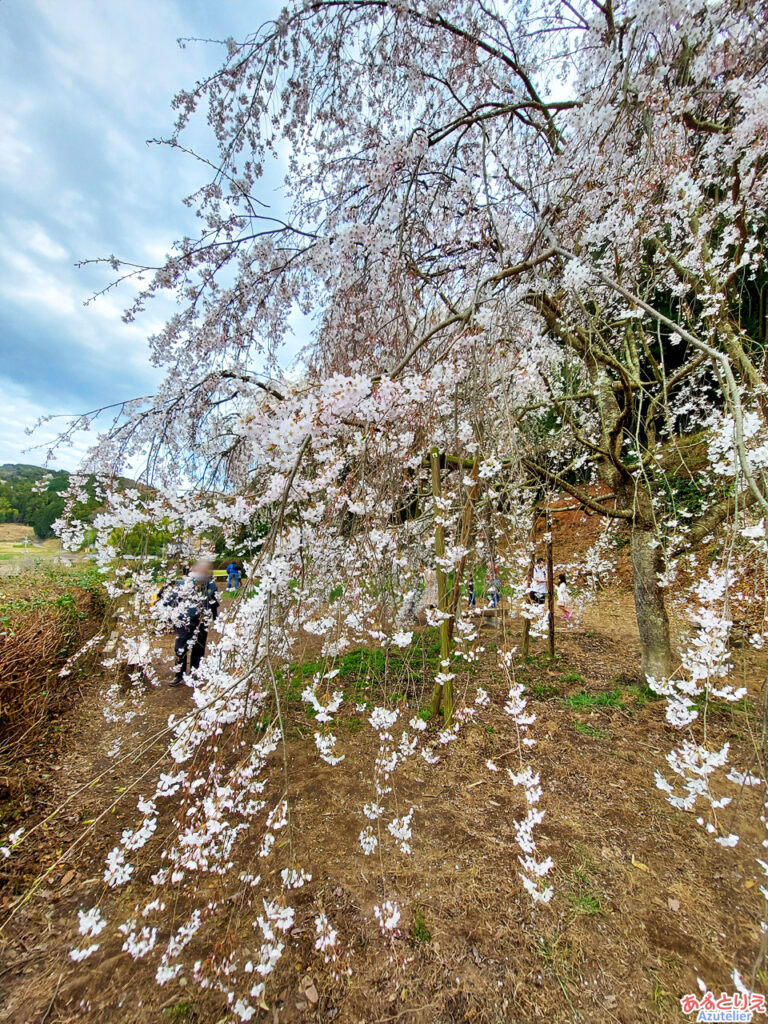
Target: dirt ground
<point>644,901</point>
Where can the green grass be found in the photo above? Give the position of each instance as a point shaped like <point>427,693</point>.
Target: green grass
<point>586,701</point>
<point>542,691</point>
<point>542,660</point>
<point>13,551</point>
<point>556,956</point>
<point>46,586</point>
<point>715,706</point>
<point>180,1011</point>
<point>586,903</point>
<point>364,670</point>
<point>591,731</point>
<point>643,694</point>
<point>583,895</point>
<point>419,933</point>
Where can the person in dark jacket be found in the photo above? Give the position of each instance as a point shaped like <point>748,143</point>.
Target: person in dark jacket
<point>194,605</point>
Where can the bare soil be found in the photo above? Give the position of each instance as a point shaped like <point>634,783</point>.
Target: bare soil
<point>645,902</point>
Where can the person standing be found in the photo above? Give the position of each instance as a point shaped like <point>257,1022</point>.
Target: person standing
<point>494,586</point>
<point>471,599</point>
<point>538,592</point>
<point>233,576</point>
<point>564,597</point>
<point>430,593</point>
<point>194,605</point>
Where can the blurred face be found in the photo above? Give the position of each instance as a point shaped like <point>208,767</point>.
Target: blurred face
<point>200,571</point>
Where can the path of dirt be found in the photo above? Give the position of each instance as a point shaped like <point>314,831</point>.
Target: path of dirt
<point>644,900</point>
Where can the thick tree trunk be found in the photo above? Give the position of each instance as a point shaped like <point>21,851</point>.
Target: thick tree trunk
<point>652,620</point>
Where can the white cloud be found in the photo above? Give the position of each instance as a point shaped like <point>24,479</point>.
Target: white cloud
<point>19,414</point>
<point>15,152</point>
<point>39,242</point>
<point>25,282</point>
<point>88,82</point>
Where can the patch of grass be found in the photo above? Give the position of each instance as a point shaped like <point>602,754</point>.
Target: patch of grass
<point>571,677</point>
<point>354,724</point>
<point>180,1011</point>
<point>542,691</point>
<point>364,669</point>
<point>591,731</point>
<point>45,587</point>
<point>643,694</point>
<point>542,660</point>
<point>662,999</point>
<point>582,892</point>
<point>716,706</point>
<point>607,699</point>
<point>363,672</point>
<point>556,957</point>
<point>586,903</point>
<point>419,933</point>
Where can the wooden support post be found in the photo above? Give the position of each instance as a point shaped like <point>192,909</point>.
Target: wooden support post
<point>525,646</point>
<point>466,527</point>
<point>441,693</point>
<point>550,587</point>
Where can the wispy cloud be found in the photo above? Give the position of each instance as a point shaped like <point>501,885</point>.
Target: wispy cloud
<point>84,84</point>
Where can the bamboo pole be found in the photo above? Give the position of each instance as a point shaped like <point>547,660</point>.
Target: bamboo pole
<point>441,693</point>
<point>525,646</point>
<point>550,587</point>
<point>466,527</point>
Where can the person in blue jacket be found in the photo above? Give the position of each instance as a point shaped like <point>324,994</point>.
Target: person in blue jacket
<point>193,604</point>
<point>233,576</point>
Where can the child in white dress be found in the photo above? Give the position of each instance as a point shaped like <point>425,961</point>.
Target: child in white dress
<point>564,598</point>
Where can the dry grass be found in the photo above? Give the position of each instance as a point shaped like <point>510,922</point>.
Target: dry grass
<point>43,621</point>
<point>13,533</point>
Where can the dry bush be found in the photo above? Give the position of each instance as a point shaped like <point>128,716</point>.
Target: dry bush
<point>38,637</point>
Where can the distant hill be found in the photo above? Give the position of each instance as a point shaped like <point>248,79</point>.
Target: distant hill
<point>21,502</point>
<point>21,471</point>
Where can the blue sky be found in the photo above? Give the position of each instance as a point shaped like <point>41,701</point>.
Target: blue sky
<point>84,84</point>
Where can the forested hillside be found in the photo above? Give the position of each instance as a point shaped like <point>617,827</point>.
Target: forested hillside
<point>32,495</point>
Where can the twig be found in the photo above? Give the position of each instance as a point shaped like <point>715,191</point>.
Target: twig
<point>53,1000</point>
<point>415,1009</point>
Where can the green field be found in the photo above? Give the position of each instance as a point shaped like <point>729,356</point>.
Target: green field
<point>15,555</point>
